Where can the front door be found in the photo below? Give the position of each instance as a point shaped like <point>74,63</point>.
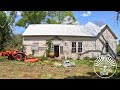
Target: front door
<point>56,50</point>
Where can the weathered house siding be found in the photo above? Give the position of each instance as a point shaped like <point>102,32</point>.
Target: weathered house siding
<point>92,46</point>
<point>104,37</point>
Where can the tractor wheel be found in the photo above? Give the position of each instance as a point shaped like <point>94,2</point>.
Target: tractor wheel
<point>18,57</point>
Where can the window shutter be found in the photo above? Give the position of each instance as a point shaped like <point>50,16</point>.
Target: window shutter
<point>61,49</point>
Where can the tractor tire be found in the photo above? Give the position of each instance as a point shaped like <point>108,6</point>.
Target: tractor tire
<point>18,57</point>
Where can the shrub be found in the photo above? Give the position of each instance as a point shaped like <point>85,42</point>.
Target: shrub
<point>118,48</point>
<point>78,58</point>
<point>44,58</point>
<point>48,42</point>
<point>33,52</point>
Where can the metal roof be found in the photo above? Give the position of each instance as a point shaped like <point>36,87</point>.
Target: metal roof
<point>89,29</point>
<point>92,28</point>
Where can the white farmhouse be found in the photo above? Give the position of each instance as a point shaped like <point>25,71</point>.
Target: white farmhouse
<point>70,41</point>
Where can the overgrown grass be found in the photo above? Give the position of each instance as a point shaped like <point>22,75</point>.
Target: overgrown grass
<point>46,76</point>
<point>84,62</point>
<point>45,69</point>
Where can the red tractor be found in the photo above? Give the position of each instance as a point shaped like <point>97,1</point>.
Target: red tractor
<point>19,55</point>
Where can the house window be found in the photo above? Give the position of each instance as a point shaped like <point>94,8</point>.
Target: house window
<point>79,46</point>
<point>107,47</point>
<point>73,47</point>
<point>61,49</point>
<point>34,47</point>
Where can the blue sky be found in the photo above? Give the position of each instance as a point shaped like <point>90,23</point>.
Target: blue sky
<point>108,17</point>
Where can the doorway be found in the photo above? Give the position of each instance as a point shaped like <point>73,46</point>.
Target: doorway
<point>56,50</point>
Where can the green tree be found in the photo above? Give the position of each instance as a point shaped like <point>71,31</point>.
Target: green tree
<point>5,30</point>
<point>38,17</point>
<point>118,15</point>
<point>118,48</point>
<point>16,41</point>
<point>51,21</point>
<point>58,16</point>
<point>31,17</point>
<point>12,17</point>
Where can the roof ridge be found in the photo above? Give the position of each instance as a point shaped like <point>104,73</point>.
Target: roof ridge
<point>58,24</point>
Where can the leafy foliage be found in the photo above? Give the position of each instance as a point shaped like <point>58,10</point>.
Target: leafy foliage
<point>31,17</point>
<point>57,17</point>
<point>12,17</point>
<point>38,17</point>
<point>49,21</point>
<point>15,42</point>
<point>118,48</point>
<point>33,52</point>
<point>5,30</point>
<point>48,42</point>
<point>118,13</point>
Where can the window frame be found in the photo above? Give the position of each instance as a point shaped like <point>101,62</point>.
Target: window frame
<point>33,47</point>
<point>61,51</point>
<point>107,47</point>
<point>80,47</point>
<point>74,47</point>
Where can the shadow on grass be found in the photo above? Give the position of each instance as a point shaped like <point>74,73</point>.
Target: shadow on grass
<point>93,75</point>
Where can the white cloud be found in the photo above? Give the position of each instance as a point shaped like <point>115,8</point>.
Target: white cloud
<point>88,13</point>
<point>85,15</point>
<point>18,13</point>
